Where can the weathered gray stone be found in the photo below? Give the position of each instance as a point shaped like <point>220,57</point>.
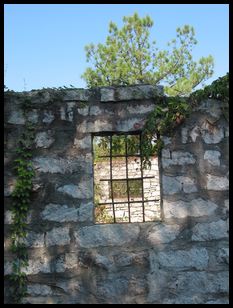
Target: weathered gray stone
<point>85,212</point>
<point>59,213</point>
<point>34,239</point>
<point>83,111</point>
<point>57,236</point>
<point>223,255</point>
<point>226,206</point>
<point>140,109</point>
<point>39,289</point>
<point>218,301</point>
<point>210,231</point>
<point>63,113</point>
<point>57,165</point>
<point>201,282</point>
<point>8,217</point>
<point>123,259</point>
<point>39,96</point>
<point>67,261</point>
<point>138,92</point>
<point>95,110</point>
<point>181,209</point>
<point>107,94</point>
<point>166,140</point>
<point>171,185</point>
<point>69,111</point>
<point>129,124</point>
<point>44,140</point>
<point>106,235</point>
<point>48,117</point>
<point>217,182</point>
<point>194,133</point>
<point>84,143</point>
<point>33,116</point>
<point>194,258</point>
<point>103,262</point>
<point>130,93</point>
<point>210,106</point>
<point>38,265</point>
<point>77,95</point>
<point>83,190</point>
<point>162,233</point>
<point>94,127</point>
<point>188,184</point>
<point>16,117</point>
<point>211,134</point>
<point>7,268</point>
<point>178,158</point>
<point>212,157</point>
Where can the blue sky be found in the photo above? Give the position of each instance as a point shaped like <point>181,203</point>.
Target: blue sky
<point>44,43</point>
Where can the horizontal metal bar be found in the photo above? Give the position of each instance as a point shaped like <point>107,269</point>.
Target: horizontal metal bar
<point>107,134</point>
<point>146,177</point>
<point>122,202</point>
<point>120,155</point>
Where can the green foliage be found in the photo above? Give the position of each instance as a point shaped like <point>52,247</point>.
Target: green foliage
<point>128,57</point>
<point>172,111</point>
<point>21,202</point>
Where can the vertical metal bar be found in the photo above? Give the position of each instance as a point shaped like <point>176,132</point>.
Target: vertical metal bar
<point>114,218</point>
<point>143,204</point>
<point>127,175</point>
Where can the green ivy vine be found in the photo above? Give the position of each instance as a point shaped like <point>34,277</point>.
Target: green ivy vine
<point>21,202</point>
<point>172,111</point>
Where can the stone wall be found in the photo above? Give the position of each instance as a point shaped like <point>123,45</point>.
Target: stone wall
<point>181,259</point>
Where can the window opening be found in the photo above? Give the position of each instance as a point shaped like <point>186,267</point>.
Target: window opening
<point>123,190</point>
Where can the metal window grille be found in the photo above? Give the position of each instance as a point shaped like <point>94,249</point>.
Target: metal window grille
<point>117,193</point>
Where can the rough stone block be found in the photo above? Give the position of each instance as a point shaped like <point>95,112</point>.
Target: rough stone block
<point>16,117</point>
<point>34,239</point>
<point>223,255</point>
<point>57,165</point>
<point>67,261</point>
<point>33,116</point>
<point>162,233</point>
<point>212,157</point>
<point>77,95</point>
<point>107,235</point>
<point>59,213</point>
<point>57,236</point>
<point>210,231</point>
<point>217,182</point>
<point>48,117</point>
<point>171,185</point>
<point>195,208</point>
<point>140,109</point>
<point>39,289</point>
<point>44,140</point>
<point>211,134</point>
<point>96,110</point>
<point>94,126</point>
<point>129,124</point>
<point>83,111</point>
<point>194,258</point>
<point>84,143</point>
<point>83,191</point>
<point>178,158</point>
<point>38,265</point>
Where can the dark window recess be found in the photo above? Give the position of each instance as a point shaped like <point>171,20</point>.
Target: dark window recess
<point>119,180</point>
